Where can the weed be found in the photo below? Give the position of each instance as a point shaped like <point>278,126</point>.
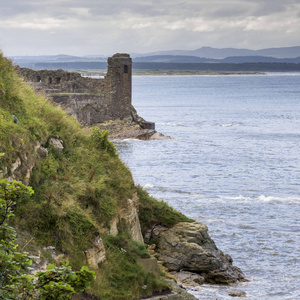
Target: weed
<point>152,211</point>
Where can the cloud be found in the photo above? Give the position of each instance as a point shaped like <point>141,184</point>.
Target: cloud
<point>87,26</point>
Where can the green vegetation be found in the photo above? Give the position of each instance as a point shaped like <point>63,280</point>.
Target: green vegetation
<point>78,190</point>
<point>154,212</point>
<point>100,140</point>
<point>126,279</point>
<point>15,280</point>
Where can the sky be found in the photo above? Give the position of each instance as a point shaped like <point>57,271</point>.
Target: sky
<point>105,27</point>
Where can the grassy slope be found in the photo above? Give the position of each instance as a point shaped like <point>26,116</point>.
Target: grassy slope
<point>77,191</point>
<point>153,212</point>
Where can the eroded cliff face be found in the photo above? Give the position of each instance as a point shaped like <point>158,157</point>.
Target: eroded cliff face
<point>183,247</point>
<point>22,163</point>
<point>21,168</point>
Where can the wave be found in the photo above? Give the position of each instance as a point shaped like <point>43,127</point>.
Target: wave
<point>263,198</point>
<point>148,186</point>
<point>226,124</point>
<point>171,124</point>
<point>199,124</point>
<point>240,198</point>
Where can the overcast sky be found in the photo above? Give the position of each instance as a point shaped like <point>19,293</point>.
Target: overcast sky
<point>90,27</point>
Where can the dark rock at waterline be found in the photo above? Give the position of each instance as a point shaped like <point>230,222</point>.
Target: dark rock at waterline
<point>188,247</point>
<point>236,293</point>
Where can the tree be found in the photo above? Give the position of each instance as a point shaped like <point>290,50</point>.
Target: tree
<point>16,281</point>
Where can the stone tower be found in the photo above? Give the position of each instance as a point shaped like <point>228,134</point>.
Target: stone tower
<point>119,81</point>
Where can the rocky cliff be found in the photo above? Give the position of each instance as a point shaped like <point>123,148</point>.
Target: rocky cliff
<point>86,207</point>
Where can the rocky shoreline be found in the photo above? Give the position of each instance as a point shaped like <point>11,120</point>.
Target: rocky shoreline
<point>189,258</point>
<point>187,247</point>
<point>187,254</point>
<point>131,128</point>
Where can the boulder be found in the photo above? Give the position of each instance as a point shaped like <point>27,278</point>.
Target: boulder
<point>57,144</point>
<point>188,247</point>
<point>189,279</point>
<point>42,151</point>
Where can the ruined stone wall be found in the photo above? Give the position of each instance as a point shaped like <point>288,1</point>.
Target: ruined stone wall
<point>90,100</point>
<point>87,108</point>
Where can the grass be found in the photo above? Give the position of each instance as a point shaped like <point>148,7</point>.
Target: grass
<point>115,279</point>
<point>154,212</point>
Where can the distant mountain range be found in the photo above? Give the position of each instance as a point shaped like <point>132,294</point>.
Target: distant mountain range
<point>207,57</point>
<point>209,52</point>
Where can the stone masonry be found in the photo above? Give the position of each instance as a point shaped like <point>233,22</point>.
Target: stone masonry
<point>90,100</point>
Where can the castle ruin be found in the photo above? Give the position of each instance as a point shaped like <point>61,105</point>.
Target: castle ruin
<point>90,100</point>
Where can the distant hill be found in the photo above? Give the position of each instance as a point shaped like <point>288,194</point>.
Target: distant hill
<point>205,58</point>
<point>32,61</point>
<point>174,58</point>
<point>209,52</point>
<point>285,52</point>
<point>259,59</point>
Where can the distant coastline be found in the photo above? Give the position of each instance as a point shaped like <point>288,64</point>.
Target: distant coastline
<point>101,73</point>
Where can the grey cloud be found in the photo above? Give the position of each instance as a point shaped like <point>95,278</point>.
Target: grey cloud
<point>212,8</point>
<point>7,10</point>
<point>87,26</point>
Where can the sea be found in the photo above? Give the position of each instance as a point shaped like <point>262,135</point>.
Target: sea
<point>233,163</point>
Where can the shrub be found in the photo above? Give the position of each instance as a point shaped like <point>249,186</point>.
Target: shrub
<point>100,140</point>
<point>16,282</point>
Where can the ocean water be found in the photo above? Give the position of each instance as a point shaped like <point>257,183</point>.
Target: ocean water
<point>233,164</point>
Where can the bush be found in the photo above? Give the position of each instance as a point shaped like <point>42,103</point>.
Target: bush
<point>100,140</point>
<point>16,282</point>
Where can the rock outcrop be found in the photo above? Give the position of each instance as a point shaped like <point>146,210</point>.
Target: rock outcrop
<point>188,247</point>
<point>96,254</point>
<point>132,127</point>
<point>131,219</point>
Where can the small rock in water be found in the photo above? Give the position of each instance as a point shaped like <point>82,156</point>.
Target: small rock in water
<point>236,293</point>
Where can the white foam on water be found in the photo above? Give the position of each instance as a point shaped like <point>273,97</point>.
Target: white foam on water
<point>225,125</point>
<point>170,124</point>
<point>126,140</point>
<point>263,198</point>
<point>148,186</point>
